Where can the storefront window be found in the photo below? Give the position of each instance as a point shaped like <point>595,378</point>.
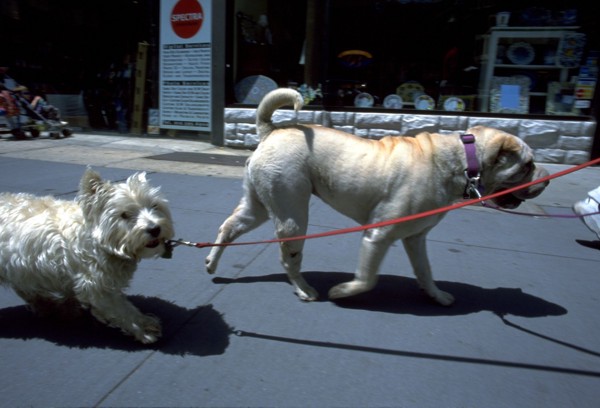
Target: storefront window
<point>497,57</point>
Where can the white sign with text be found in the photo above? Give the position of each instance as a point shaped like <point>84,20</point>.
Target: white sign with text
<point>185,65</point>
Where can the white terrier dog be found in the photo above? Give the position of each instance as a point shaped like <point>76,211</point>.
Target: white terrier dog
<point>61,256</point>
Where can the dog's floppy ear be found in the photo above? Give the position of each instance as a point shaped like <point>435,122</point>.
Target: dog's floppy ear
<point>501,147</point>
<point>139,177</point>
<point>91,192</point>
<point>90,183</point>
<point>139,180</point>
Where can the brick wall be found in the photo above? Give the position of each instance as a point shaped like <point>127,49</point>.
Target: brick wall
<point>554,141</point>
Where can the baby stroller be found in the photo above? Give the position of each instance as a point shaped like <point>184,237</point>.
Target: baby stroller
<point>38,116</point>
<point>9,111</point>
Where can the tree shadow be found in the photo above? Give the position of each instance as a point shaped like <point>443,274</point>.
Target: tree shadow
<point>401,295</point>
<point>199,332</point>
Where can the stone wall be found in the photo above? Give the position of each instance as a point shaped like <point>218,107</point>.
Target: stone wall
<point>554,141</point>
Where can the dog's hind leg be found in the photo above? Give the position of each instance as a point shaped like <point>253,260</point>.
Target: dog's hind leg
<point>249,214</point>
<point>291,220</point>
<point>373,247</point>
<point>291,259</point>
<point>416,248</point>
<point>63,307</point>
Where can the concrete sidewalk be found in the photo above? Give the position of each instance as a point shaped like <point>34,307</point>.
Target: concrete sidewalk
<point>523,333</point>
<point>128,152</point>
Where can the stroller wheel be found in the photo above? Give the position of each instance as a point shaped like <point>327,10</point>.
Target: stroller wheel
<point>34,133</point>
<point>18,134</point>
<point>67,132</point>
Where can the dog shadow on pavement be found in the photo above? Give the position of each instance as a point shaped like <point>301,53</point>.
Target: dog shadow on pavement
<point>398,294</point>
<point>199,332</point>
<point>589,244</point>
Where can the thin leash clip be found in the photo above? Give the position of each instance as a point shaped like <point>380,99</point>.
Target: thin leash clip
<point>472,187</point>
<point>172,243</point>
<point>176,242</point>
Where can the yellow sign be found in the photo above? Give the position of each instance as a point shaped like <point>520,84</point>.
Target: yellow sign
<point>585,89</point>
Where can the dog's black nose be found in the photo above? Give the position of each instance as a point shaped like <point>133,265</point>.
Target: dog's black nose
<point>155,232</point>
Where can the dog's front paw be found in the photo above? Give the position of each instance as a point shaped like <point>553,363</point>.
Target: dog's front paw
<point>211,265</point>
<point>443,298</point>
<point>149,330</point>
<point>348,289</point>
<point>307,294</point>
<point>339,291</point>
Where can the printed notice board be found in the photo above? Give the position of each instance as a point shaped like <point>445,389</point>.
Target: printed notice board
<point>185,65</point>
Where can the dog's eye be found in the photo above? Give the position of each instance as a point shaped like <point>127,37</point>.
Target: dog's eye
<point>125,215</point>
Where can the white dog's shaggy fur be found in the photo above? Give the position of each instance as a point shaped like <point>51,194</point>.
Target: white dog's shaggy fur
<point>369,181</point>
<point>61,256</point>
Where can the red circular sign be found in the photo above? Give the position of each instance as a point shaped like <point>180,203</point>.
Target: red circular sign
<point>186,18</point>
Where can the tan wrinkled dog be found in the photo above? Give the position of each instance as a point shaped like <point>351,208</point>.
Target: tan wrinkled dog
<point>369,181</point>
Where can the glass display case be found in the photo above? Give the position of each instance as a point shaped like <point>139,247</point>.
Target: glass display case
<point>533,58</point>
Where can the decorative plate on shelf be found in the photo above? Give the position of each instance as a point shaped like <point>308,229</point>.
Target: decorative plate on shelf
<point>424,102</point>
<point>393,101</point>
<point>252,89</point>
<point>454,104</point>
<point>409,90</point>
<point>521,53</point>
<point>355,58</point>
<point>363,100</point>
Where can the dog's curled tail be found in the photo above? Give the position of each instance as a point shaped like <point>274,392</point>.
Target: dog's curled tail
<point>272,101</point>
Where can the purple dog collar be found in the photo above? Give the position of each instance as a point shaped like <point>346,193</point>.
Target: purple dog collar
<point>472,163</point>
<point>472,173</point>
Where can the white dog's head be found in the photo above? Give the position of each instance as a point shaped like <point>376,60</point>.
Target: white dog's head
<point>130,220</point>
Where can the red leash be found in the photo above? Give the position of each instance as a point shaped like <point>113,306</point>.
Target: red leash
<point>412,217</point>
